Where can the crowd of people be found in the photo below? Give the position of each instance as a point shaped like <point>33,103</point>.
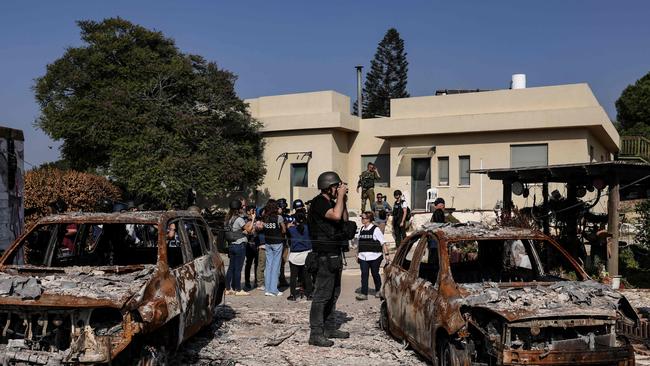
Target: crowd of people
<point>313,237</point>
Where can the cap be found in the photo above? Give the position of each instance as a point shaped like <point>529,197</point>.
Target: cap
<point>438,201</point>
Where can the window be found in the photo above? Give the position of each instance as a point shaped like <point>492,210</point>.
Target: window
<point>528,155</point>
<point>177,252</point>
<point>299,175</point>
<point>382,162</point>
<point>429,264</point>
<point>443,171</point>
<point>463,167</point>
<point>405,253</point>
<point>491,260</point>
<point>83,244</point>
<point>591,153</point>
<point>205,236</point>
<point>193,236</point>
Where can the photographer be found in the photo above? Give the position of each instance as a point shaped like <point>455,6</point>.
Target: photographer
<point>327,217</point>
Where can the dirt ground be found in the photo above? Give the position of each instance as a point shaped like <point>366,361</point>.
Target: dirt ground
<point>246,323</point>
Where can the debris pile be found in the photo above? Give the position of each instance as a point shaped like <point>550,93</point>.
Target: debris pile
<point>588,298</point>
<point>259,335</point>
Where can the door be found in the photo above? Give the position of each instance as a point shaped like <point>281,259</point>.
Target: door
<point>299,174</point>
<point>420,182</point>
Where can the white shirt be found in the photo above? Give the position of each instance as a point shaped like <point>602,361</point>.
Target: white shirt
<point>376,235</point>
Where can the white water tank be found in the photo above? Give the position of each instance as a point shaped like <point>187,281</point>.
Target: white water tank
<point>518,81</point>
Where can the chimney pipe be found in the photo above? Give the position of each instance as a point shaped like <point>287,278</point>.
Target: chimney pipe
<point>359,97</point>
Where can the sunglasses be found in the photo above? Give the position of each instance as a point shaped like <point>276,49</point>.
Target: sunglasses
<point>364,217</point>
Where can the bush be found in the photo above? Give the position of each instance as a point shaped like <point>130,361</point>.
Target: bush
<point>79,191</point>
<point>643,236</point>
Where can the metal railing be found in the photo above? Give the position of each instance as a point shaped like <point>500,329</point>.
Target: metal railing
<point>635,147</point>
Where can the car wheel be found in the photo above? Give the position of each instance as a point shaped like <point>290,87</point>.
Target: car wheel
<point>383,318</point>
<point>450,355</point>
<point>153,356</point>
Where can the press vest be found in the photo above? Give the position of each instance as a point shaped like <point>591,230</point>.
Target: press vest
<point>272,232</point>
<point>367,243</point>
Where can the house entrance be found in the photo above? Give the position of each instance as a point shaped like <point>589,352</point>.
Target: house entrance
<point>420,182</point>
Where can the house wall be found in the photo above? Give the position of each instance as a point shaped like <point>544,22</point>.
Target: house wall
<point>12,218</point>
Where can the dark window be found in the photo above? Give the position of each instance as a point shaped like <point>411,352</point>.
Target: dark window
<point>492,260</point>
<point>443,171</point>
<point>528,155</point>
<point>79,244</point>
<point>555,263</point>
<point>463,167</point>
<point>299,175</point>
<point>382,162</point>
<point>193,235</point>
<point>429,264</point>
<point>177,251</point>
<point>205,236</point>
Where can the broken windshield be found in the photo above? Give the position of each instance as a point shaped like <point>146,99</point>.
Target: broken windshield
<point>74,244</point>
<point>508,261</point>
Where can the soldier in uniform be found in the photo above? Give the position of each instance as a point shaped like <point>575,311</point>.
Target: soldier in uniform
<point>367,184</point>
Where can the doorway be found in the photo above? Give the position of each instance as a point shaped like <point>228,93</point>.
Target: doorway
<point>420,182</point>
<point>299,174</point>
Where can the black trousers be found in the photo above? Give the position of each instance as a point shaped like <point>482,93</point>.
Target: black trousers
<point>372,267</point>
<point>399,233</point>
<point>251,263</point>
<point>299,273</point>
<point>326,292</point>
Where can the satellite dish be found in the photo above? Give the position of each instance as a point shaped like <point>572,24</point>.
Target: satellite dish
<point>517,188</point>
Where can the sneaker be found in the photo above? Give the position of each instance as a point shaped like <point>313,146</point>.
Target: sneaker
<point>377,294</point>
<point>335,333</point>
<point>291,298</point>
<point>230,292</point>
<point>241,293</point>
<point>269,294</point>
<point>279,293</point>
<point>361,297</point>
<point>358,290</point>
<point>261,288</point>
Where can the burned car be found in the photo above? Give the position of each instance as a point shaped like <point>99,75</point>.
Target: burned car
<point>469,294</point>
<point>94,288</point>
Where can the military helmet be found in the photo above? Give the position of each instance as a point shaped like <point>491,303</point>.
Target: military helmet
<point>282,203</point>
<point>328,179</point>
<point>235,204</point>
<point>298,204</point>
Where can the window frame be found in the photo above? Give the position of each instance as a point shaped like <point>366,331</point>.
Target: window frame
<point>460,170</point>
<point>446,159</point>
<point>526,145</point>
<point>192,222</point>
<point>305,178</point>
<point>184,241</point>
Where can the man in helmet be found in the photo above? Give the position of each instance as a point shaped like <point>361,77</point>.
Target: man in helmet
<point>327,213</point>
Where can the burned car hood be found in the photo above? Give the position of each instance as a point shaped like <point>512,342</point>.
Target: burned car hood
<point>72,286</point>
<point>516,301</point>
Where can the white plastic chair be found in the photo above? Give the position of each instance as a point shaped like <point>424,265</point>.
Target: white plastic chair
<point>432,194</point>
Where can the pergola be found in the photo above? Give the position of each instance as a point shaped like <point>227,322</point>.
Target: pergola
<point>623,180</point>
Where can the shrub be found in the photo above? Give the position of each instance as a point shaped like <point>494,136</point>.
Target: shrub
<point>79,191</point>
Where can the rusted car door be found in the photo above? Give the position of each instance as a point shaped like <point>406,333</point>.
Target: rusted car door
<point>425,297</point>
<point>181,263</point>
<point>396,281</point>
<point>204,266</point>
<point>411,299</point>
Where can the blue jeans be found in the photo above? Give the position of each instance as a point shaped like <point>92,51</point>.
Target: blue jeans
<point>237,255</point>
<point>272,270</point>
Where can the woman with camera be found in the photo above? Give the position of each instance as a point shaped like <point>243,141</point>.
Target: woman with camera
<point>239,228</point>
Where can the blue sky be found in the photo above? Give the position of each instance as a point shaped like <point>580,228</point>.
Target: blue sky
<point>279,47</point>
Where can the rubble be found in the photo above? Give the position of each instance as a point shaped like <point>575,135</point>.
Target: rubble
<point>244,327</point>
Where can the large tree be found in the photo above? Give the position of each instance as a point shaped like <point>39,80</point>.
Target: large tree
<point>387,77</point>
<point>128,103</point>
<point>633,108</point>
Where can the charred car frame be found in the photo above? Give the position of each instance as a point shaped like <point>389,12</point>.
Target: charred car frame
<point>472,295</point>
<point>104,288</point>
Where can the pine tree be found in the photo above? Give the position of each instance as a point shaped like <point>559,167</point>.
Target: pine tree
<point>387,76</point>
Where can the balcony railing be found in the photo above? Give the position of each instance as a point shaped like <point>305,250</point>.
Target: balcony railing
<point>635,148</point>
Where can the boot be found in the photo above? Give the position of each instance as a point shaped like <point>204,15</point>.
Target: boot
<point>319,340</point>
<point>335,333</point>
<point>361,297</point>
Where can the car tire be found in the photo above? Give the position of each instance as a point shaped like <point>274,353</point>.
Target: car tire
<point>450,355</point>
<point>383,318</point>
<point>153,356</point>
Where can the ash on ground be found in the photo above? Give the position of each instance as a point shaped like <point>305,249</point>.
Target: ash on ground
<point>247,327</point>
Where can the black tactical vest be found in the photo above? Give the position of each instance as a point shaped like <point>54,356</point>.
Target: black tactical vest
<point>366,241</point>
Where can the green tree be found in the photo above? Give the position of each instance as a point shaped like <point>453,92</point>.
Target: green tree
<point>633,108</point>
<point>387,77</point>
<point>129,104</point>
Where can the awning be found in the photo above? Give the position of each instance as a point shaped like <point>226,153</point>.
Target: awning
<point>417,150</point>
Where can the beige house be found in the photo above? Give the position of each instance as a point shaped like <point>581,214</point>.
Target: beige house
<point>430,142</point>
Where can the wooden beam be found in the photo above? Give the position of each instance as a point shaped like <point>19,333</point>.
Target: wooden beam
<point>612,225</point>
